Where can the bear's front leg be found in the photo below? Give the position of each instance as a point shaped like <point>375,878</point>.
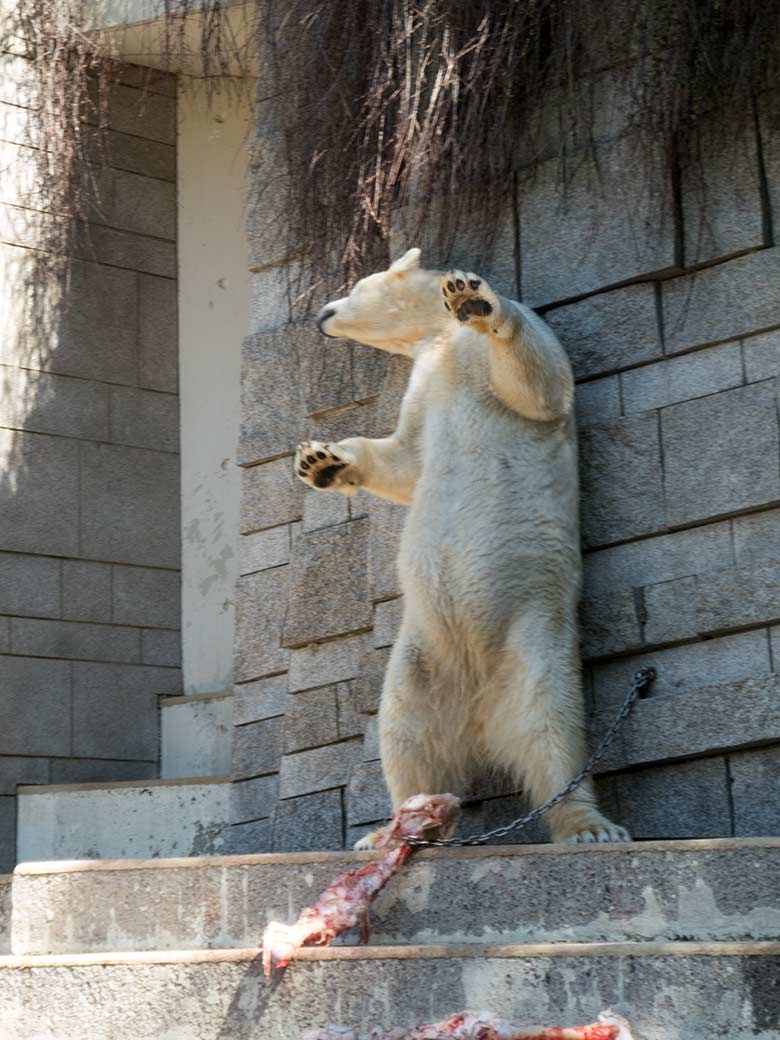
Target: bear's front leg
<point>328,467</point>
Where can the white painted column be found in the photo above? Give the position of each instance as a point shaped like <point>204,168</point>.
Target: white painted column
<point>213,319</point>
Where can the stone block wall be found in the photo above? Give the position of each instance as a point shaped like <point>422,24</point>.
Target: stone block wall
<point>668,305</point>
<point>89,489</point>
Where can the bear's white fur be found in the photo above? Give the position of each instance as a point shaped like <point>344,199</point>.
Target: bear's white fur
<point>486,667</point>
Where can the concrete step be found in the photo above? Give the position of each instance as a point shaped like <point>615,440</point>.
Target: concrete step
<point>5,912</point>
<point>704,890</point>
<point>669,991</point>
<point>196,735</point>
<point>134,818</point>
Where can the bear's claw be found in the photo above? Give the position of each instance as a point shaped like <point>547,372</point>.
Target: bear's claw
<point>320,466</point>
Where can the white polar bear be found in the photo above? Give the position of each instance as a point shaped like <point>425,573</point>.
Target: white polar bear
<point>486,668</point>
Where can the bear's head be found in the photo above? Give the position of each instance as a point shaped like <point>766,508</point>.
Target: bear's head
<point>391,310</point>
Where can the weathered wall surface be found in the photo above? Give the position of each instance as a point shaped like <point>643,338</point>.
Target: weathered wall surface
<point>669,308</point>
<point>89,488</point>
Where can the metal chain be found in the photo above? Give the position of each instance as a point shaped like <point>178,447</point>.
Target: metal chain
<point>641,681</point>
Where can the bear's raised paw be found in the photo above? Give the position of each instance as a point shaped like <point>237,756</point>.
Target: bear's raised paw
<point>469,299</point>
<point>323,466</point>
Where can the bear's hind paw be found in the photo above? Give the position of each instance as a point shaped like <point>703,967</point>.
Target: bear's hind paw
<point>322,466</point>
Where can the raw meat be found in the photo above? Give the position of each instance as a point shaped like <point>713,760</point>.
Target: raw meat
<point>347,901</point>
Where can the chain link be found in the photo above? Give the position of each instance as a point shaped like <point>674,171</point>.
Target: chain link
<point>641,681</point>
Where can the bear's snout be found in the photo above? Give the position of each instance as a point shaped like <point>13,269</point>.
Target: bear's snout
<point>322,317</point>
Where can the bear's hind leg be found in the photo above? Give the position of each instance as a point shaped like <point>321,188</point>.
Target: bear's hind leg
<point>535,727</point>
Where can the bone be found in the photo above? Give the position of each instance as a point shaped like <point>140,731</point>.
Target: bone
<point>483,1026</point>
<point>347,901</point>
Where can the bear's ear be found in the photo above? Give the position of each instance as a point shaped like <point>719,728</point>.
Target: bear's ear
<point>408,262</point>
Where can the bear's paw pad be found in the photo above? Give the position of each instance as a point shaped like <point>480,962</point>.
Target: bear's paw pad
<point>320,465</point>
<point>467,296</point>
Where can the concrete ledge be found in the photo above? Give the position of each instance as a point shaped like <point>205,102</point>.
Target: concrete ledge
<point>119,785</point>
<point>703,891</point>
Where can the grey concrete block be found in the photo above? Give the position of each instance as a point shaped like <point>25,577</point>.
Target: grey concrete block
<point>244,838</point>
<point>144,418</point>
<point>86,591</point>
<point>271,405</point>
<point>352,723</point>
<point>261,608</point>
<point>99,770</point>
<point>699,550</point>
<point>39,497</point>
<point>74,640</point>
<point>158,339</point>
<point>762,356</point>
<point>610,624</point>
<point>757,536</point>
<point>498,812</point>
<point>682,378</point>
<point>738,597</point>
<point>129,505</point>
<point>617,226</point>
<point>47,403</point>
<point>161,647</point>
<point>722,210</point>
<point>264,549</point>
<point>271,494</point>
<point>311,719</point>
<point>7,835</point>
<point>253,799</point>
<point>149,158</point>
<point>597,402</point>
<point>259,700</point>
<point>722,302</point>
<point>755,781</point>
<point>115,711</point>
<point>143,596</point>
<point>387,621</point>
<point>328,587</point>
<point>685,800</point>
<point>683,670</point>
<point>152,256</point>
<point>29,585</point>
<point>36,695</point>
<point>620,467</point>
<point>367,797</point>
<point>769,130</point>
<point>15,771</point>
<point>670,611</point>
<point>142,114</point>
<point>386,523</point>
<point>96,335</point>
<point>5,635</point>
<point>367,687</point>
<point>323,663</point>
<point>257,748</point>
<point>371,749</point>
<point>310,823</point>
<point>144,205</point>
<point>713,465</point>
<point>707,720</point>
<point>610,331</point>
<point>370,370</point>
<point>270,304</point>
<point>324,509</point>
<point>318,769</point>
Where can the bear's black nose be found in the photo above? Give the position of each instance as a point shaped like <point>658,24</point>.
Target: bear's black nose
<point>322,317</point>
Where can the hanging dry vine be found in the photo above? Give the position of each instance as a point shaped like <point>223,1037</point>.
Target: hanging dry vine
<point>434,109</point>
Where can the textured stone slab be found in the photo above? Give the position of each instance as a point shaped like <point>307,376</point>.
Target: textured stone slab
<point>609,331</point>
<point>597,402</point>
<point>682,800</point>
<point>318,769</point>
<point>328,586</point>
<point>158,338</point>
<point>620,467</point>
<point>271,404</point>
<point>261,601</point>
<point>74,640</point>
<point>47,403</point>
<point>5,913</point>
<point>270,494</point>
<point>668,990</point>
<point>722,302</point>
<point>755,776</point>
<point>142,114</point>
<point>312,822</point>
<point>718,890</point>
<point>616,227</point>
<point>682,378</point>
<point>122,821</point>
<point>253,799</point>
<point>162,647</point>
<point>257,748</point>
<point>323,663</point>
<point>86,590</point>
<point>670,611</point>
<point>610,624</point>
<point>195,736</point>
<point>713,465</point>
<point>367,797</point>
<point>259,700</point>
<point>757,536</point>
<point>144,419</point>
<point>37,696</point>
<point>739,596</point>
<point>386,523</point>
<point>311,719</point>
<point>264,549</point>
<point>143,596</point>
<point>29,585</point>
<point>706,720</point>
<point>144,205</point>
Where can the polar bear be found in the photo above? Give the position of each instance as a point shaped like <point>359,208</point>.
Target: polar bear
<point>486,667</point>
